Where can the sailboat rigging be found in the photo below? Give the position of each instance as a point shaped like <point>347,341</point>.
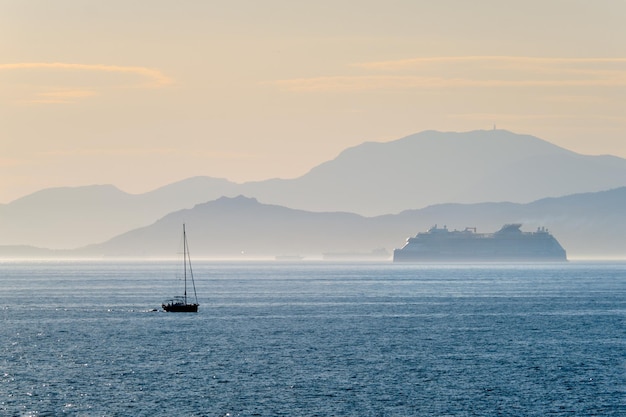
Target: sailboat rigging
<point>180,304</point>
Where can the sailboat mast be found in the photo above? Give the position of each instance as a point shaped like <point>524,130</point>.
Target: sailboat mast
<point>185,260</point>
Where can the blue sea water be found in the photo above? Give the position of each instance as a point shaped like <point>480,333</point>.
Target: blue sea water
<point>313,339</point>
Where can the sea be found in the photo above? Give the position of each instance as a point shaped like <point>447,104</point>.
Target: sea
<point>89,338</point>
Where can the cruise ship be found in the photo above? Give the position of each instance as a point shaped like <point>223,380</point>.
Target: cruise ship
<point>509,244</point>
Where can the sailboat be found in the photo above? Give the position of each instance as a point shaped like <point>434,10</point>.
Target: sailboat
<point>180,304</point>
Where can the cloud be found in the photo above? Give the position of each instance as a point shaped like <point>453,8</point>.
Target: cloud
<point>151,78</point>
<point>156,78</point>
<point>62,96</point>
<point>510,117</point>
<point>469,71</point>
<point>139,152</point>
<point>486,60</point>
<point>521,117</point>
<point>11,162</point>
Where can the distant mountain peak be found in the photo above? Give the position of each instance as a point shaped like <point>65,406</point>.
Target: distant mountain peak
<point>82,191</point>
<point>238,201</point>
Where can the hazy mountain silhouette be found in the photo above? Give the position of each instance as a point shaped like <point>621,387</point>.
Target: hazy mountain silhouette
<point>434,167</point>
<point>241,226</point>
<point>590,224</point>
<point>370,179</point>
<point>68,217</point>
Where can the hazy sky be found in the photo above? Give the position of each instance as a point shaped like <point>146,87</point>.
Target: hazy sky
<point>143,93</point>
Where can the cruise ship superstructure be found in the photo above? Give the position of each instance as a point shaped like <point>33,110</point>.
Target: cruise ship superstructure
<point>506,245</point>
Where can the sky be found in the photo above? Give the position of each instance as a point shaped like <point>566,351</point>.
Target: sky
<point>143,93</point>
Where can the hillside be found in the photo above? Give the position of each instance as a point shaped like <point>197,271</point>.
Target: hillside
<point>70,217</point>
<point>443,167</point>
<point>587,225</point>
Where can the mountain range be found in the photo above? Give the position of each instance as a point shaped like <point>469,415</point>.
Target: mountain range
<point>587,225</point>
<point>352,199</point>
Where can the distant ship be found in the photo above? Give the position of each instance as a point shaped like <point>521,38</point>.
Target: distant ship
<point>506,245</point>
<point>180,303</point>
<point>289,257</point>
<point>375,254</point>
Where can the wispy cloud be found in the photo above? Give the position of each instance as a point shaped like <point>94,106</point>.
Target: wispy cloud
<point>149,78</point>
<point>156,78</point>
<point>143,152</point>
<point>62,96</point>
<point>469,71</point>
<point>11,162</point>
<point>486,60</point>
<point>524,117</point>
<point>364,83</point>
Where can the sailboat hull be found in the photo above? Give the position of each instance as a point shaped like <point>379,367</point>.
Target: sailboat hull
<point>180,308</point>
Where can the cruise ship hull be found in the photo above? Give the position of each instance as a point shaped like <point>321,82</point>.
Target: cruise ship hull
<point>509,244</point>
